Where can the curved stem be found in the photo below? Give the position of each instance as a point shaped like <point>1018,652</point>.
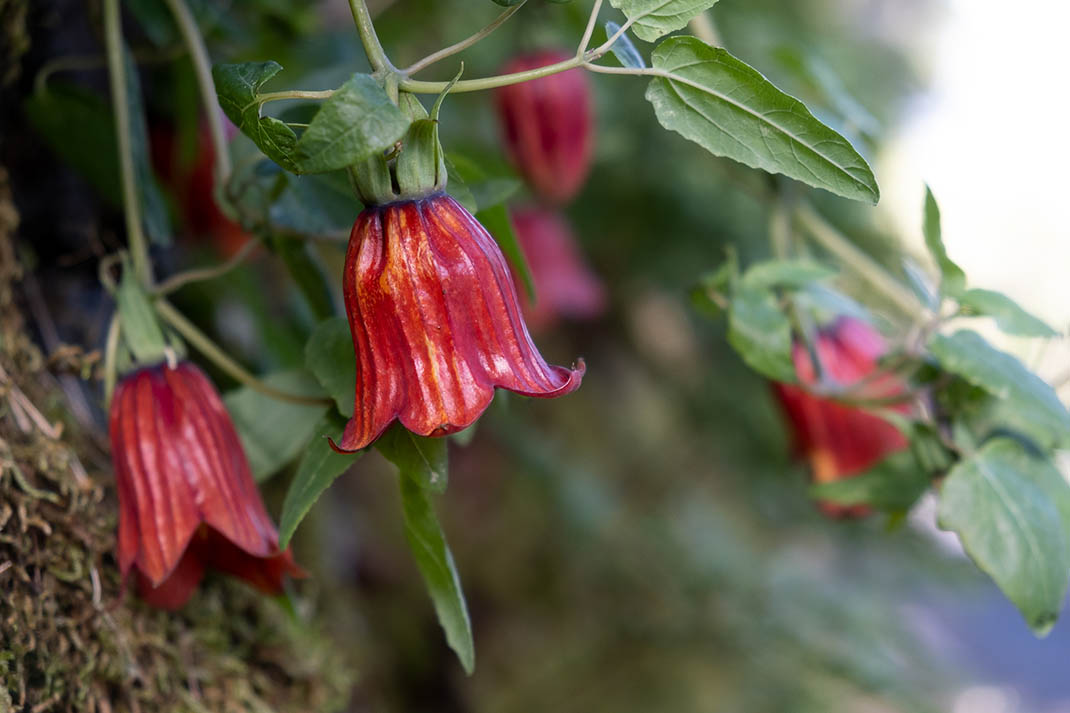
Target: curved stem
<point>210,349</point>
<point>589,29</point>
<point>202,68</point>
<point>372,47</point>
<point>465,43</point>
<point>182,279</point>
<point>113,39</point>
<point>474,85</point>
<point>869,269</point>
<point>294,94</point>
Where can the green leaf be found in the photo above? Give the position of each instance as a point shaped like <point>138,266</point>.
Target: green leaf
<point>795,274</point>
<point>507,3</point>
<point>435,561</point>
<point>154,217</point>
<point>654,18</point>
<point>892,485</point>
<point>318,468</point>
<point>953,279</point>
<point>357,121</point>
<point>307,273</point>
<point>238,86</point>
<point>319,203</point>
<point>496,220</point>
<point>423,459</point>
<point>624,49</point>
<point>1008,314</point>
<point>968,355</point>
<point>273,432</point>
<point>486,190</point>
<point>330,357</point>
<point>761,333</point>
<point>710,97</point>
<point>1009,510</point>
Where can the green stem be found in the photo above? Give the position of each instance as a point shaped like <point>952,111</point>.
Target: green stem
<point>866,267</point>
<point>182,279</point>
<point>465,43</point>
<point>203,343</point>
<point>372,47</point>
<point>589,30</point>
<point>294,94</point>
<point>202,68</point>
<point>111,353</point>
<point>474,85</point>
<point>113,38</point>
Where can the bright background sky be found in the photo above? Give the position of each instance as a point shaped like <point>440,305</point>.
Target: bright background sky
<point>990,138</point>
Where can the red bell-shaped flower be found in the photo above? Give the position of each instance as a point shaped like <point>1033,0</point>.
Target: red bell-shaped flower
<point>547,124</point>
<point>564,285</point>
<point>187,500</point>
<point>842,441</point>
<point>436,322</point>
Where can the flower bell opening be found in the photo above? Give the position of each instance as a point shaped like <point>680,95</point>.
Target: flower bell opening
<point>436,323</point>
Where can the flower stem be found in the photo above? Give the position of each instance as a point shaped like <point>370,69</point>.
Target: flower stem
<point>113,40</point>
<point>866,267</point>
<point>465,43</point>
<point>294,94</point>
<point>202,68</point>
<point>210,349</point>
<point>589,30</point>
<point>474,85</point>
<point>182,279</point>
<point>372,47</point>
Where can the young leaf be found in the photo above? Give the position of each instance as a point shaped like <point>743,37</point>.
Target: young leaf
<point>238,86</point>
<point>318,468</point>
<point>894,484</point>
<point>710,97</point>
<point>1008,314</point>
<point>624,49</point>
<point>761,333</point>
<point>496,220</point>
<point>329,356</point>
<point>953,279</point>
<point>357,121</point>
<point>795,274</point>
<point>433,557</point>
<point>272,431</point>
<point>654,18</point>
<point>967,354</point>
<point>422,459</point>
<point>1009,510</point>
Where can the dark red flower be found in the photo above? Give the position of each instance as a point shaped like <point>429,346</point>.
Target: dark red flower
<point>436,322</point>
<point>187,500</point>
<point>547,124</point>
<point>564,285</point>
<point>842,441</point>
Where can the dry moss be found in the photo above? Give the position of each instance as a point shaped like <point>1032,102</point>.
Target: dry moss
<point>69,640</point>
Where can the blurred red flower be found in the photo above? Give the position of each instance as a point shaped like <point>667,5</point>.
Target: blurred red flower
<point>187,500</point>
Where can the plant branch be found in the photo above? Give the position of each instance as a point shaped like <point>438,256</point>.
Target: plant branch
<point>113,39</point>
<point>589,30</point>
<point>294,94</point>
<point>182,279</point>
<point>866,267</point>
<point>372,47</point>
<point>474,85</point>
<point>465,43</point>
<point>203,343</point>
<point>202,68</point>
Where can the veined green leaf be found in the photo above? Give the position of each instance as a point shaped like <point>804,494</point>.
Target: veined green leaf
<point>357,121</point>
<point>238,86</point>
<point>1010,512</point>
<point>953,279</point>
<point>423,459</point>
<point>1008,314</point>
<point>435,561</point>
<point>154,215</point>
<point>329,356</point>
<point>654,18</point>
<point>761,333</point>
<point>967,354</point>
<point>894,484</point>
<point>710,97</point>
<point>317,469</point>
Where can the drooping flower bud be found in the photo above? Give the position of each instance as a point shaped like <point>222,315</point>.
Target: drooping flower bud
<point>842,441</point>
<point>436,322</point>
<point>547,124</point>
<point>565,286</point>
<point>187,500</point>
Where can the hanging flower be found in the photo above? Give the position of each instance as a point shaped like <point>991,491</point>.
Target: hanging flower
<point>547,124</point>
<point>842,441</point>
<point>436,322</point>
<point>564,285</point>
<point>187,500</point>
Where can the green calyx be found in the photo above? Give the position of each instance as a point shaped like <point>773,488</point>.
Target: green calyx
<point>145,340</point>
<point>414,169</point>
